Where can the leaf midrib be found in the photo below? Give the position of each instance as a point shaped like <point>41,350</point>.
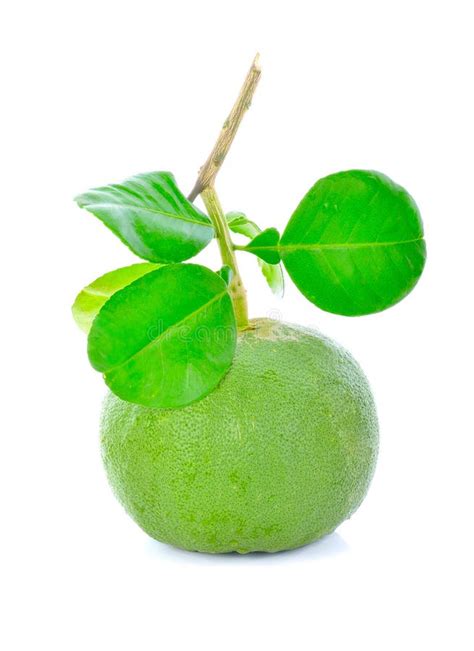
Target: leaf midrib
<point>167,331</point>
<point>345,245</point>
<point>99,292</point>
<point>94,206</point>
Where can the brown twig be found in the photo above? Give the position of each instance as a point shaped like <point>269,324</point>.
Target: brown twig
<point>209,170</point>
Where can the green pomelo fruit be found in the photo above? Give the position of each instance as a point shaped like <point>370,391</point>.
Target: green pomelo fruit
<point>277,456</point>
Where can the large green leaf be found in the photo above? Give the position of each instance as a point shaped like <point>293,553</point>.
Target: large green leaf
<point>90,300</point>
<point>152,216</point>
<point>273,273</point>
<point>354,245</point>
<point>167,339</point>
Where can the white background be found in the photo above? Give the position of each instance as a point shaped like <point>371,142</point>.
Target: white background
<point>97,91</point>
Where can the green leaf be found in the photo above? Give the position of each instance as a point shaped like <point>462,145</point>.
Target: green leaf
<point>239,223</point>
<point>90,300</point>
<point>167,339</point>
<point>265,246</point>
<point>273,273</point>
<point>355,243</point>
<point>151,216</point>
<point>226,274</point>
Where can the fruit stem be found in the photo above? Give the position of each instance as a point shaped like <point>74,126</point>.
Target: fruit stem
<point>205,187</point>
<point>236,287</point>
<point>208,171</point>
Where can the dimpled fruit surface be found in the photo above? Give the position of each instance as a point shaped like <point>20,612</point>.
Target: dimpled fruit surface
<point>277,456</point>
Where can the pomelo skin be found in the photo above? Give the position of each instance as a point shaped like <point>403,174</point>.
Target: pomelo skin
<point>277,456</point>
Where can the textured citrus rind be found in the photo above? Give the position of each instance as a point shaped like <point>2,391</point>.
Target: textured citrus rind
<point>277,456</point>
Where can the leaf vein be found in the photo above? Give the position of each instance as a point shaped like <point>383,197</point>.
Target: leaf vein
<point>345,245</point>
<point>167,331</point>
<point>96,206</point>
